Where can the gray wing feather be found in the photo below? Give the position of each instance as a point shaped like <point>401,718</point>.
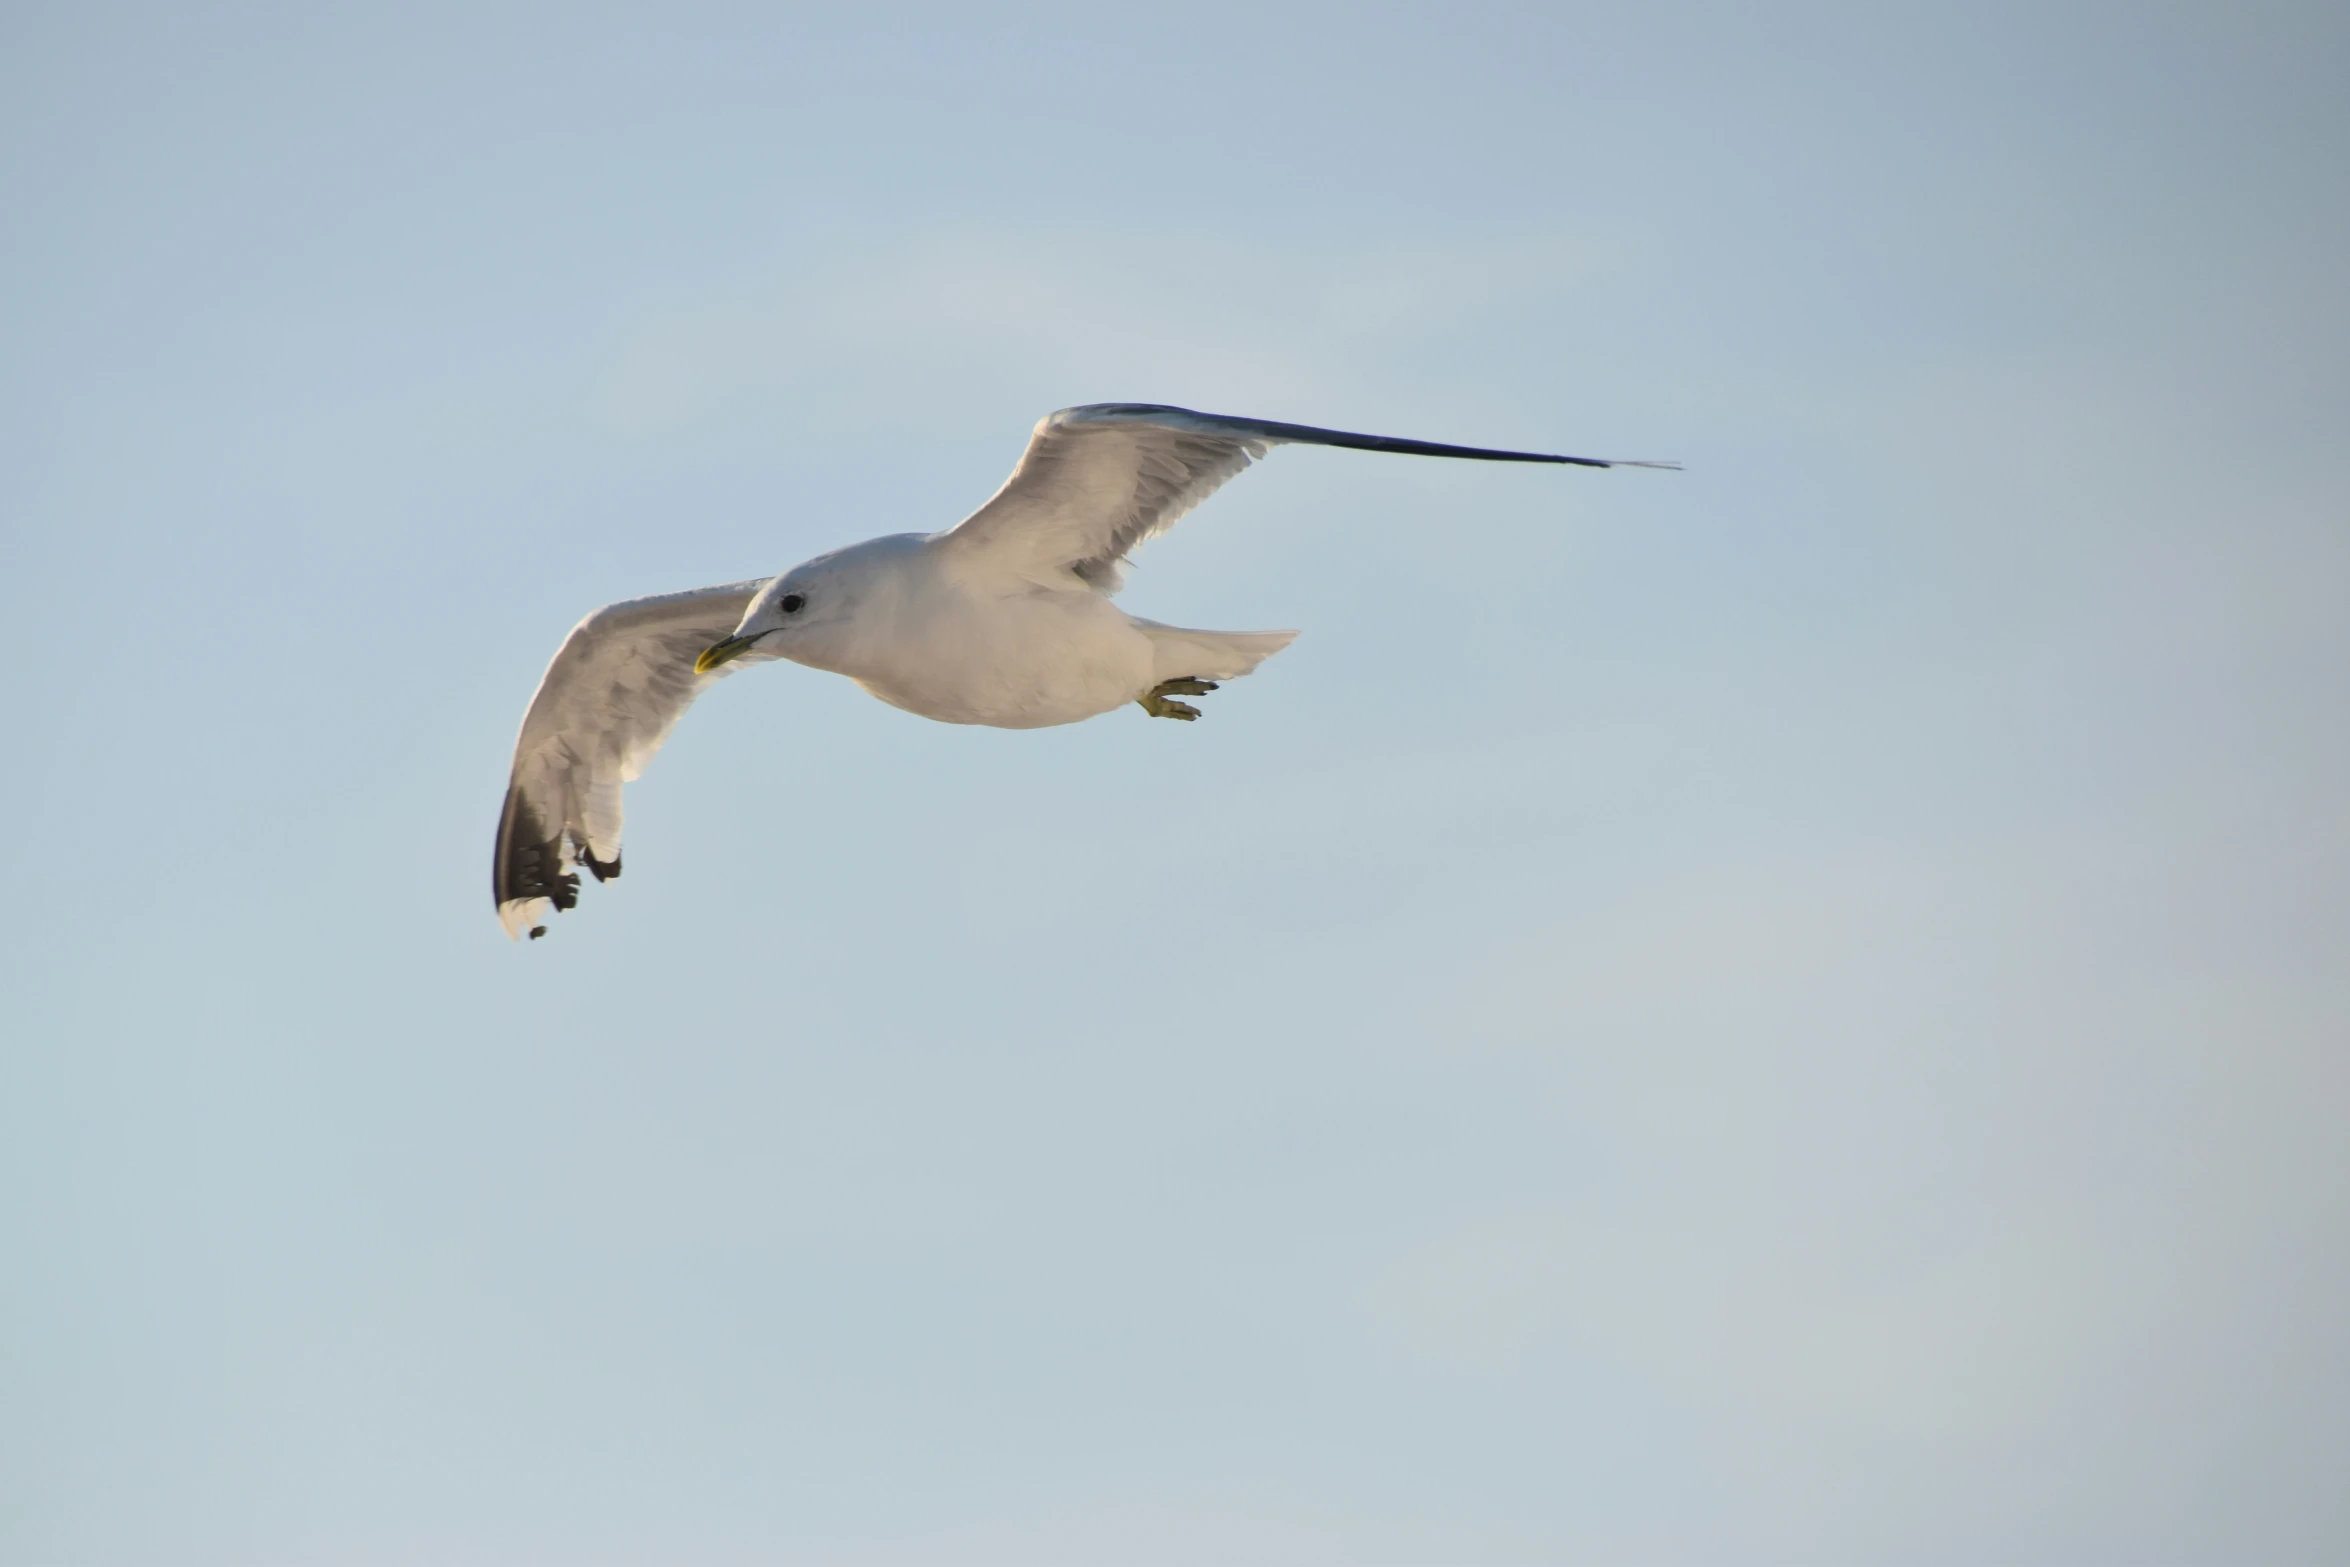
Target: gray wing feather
<point>615,689</point>
<point>1098,480</point>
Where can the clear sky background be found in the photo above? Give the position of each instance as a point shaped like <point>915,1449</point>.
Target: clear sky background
<point>1791,1012</point>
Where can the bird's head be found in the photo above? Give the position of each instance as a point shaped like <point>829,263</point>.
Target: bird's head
<point>778,615</point>
<point>806,613</point>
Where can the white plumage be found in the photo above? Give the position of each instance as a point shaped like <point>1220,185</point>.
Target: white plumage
<point>1004,619</point>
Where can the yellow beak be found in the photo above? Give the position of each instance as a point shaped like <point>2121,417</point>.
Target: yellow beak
<point>720,652</point>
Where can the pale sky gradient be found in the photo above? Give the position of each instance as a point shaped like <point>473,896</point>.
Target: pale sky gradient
<point>1789,1013</point>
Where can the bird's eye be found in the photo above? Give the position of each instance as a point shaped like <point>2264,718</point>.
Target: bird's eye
<point>790,603</point>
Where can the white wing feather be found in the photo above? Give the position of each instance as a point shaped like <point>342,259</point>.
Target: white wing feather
<point>1098,480</point>
<point>616,687</point>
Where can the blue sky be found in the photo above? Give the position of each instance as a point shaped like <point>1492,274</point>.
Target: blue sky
<point>1790,1012</point>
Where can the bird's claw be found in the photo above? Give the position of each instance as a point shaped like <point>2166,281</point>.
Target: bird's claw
<point>1159,701</point>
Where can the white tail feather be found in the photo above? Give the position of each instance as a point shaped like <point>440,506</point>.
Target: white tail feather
<point>1183,653</point>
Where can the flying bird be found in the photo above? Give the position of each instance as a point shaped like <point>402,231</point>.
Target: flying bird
<point>1003,619</point>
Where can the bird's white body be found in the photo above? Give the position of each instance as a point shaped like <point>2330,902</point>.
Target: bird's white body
<point>1004,619</point>
<point>944,633</point>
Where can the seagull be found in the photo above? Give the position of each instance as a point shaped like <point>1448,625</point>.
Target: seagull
<point>1005,619</point>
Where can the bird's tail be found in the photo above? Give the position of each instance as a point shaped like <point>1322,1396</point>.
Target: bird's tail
<point>1208,655</point>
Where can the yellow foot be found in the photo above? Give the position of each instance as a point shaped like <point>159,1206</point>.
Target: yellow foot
<point>1157,700</point>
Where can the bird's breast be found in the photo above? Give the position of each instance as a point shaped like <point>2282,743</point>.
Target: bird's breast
<point>1018,661</point>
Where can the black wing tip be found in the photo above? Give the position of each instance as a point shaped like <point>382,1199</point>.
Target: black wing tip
<point>529,863</point>
<point>1315,435</point>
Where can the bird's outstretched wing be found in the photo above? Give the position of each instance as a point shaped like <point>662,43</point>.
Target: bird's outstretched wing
<point>1098,480</point>
<point>619,682</point>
